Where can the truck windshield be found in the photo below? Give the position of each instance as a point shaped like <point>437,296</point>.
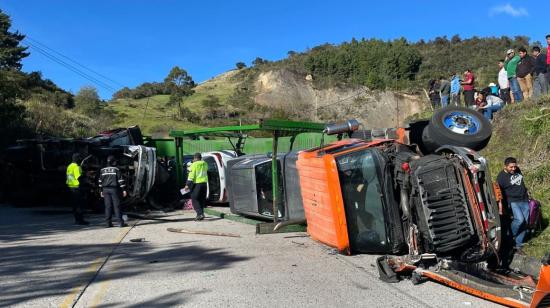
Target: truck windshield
<point>361,192</point>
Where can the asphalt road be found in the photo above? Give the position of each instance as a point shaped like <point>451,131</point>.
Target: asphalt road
<point>46,261</point>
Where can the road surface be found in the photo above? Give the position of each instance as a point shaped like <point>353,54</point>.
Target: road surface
<point>46,261</point>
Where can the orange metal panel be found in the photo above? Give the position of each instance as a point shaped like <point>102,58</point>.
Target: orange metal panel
<point>322,199</point>
<point>510,302</point>
<point>543,286</point>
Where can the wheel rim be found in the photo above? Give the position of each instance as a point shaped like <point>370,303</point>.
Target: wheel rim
<point>461,123</point>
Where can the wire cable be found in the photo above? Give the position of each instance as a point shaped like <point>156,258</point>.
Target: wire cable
<point>72,68</point>
<point>74,61</point>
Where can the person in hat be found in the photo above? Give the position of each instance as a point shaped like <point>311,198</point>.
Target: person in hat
<point>112,185</point>
<point>511,66</point>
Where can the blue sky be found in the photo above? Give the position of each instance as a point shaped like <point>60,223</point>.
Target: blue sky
<point>136,41</point>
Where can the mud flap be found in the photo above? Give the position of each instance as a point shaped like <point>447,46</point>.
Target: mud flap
<point>385,271</point>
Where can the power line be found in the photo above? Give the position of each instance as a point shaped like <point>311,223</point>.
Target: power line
<point>74,61</point>
<point>71,67</point>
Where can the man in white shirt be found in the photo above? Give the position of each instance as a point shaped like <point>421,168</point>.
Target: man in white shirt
<point>504,84</point>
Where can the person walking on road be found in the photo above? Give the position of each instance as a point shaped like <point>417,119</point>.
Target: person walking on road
<point>74,173</point>
<point>515,193</point>
<point>196,182</point>
<point>511,65</point>
<point>540,84</point>
<point>112,186</point>
<point>468,86</point>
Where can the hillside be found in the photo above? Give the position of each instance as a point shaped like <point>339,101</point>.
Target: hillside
<point>156,116</point>
<point>378,82</point>
<point>523,131</point>
<point>250,94</point>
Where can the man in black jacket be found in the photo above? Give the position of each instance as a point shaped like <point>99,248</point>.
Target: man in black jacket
<point>512,184</point>
<point>540,84</point>
<point>523,73</point>
<point>111,184</point>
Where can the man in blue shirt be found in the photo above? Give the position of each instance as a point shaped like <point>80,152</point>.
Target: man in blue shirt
<point>455,89</point>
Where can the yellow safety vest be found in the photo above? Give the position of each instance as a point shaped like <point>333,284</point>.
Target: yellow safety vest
<point>73,173</point>
<point>199,172</point>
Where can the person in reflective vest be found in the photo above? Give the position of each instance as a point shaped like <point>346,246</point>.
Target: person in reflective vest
<point>74,173</point>
<point>112,185</point>
<point>196,182</point>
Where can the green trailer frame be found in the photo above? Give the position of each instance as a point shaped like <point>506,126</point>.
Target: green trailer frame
<point>277,128</point>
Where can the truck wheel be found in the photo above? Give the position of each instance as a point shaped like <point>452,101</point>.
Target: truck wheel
<point>457,126</point>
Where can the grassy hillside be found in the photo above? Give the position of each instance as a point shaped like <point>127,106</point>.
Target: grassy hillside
<point>156,116</point>
<point>523,131</point>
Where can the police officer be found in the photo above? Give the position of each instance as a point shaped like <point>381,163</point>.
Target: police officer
<point>111,184</point>
<point>74,173</point>
<point>197,181</point>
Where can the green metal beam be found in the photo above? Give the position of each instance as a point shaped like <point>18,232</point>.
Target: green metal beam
<point>283,126</point>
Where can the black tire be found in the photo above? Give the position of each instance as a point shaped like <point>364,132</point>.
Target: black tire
<point>472,131</point>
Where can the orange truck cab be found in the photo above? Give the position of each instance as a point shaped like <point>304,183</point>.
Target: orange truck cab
<point>433,215</point>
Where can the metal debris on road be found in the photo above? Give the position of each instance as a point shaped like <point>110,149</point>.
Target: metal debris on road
<point>180,230</point>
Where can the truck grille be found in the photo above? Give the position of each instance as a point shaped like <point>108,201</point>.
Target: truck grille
<point>441,205</point>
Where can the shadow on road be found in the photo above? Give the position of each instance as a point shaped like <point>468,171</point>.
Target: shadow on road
<point>35,264</point>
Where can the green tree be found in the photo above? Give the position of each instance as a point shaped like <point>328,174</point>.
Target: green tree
<point>240,65</point>
<point>87,101</point>
<point>179,84</point>
<point>11,53</point>
<point>11,81</point>
<point>259,61</point>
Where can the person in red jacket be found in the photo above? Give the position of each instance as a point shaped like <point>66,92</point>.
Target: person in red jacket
<point>468,86</point>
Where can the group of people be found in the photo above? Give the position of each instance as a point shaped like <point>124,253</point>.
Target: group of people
<point>113,187</point>
<point>521,76</point>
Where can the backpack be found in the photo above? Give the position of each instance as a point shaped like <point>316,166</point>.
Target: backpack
<point>535,215</point>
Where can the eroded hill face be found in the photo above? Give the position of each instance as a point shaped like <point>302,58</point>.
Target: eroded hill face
<point>298,96</point>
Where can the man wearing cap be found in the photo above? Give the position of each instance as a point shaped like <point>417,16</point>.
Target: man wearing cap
<point>112,185</point>
<point>523,72</point>
<point>511,65</point>
<point>503,84</point>
<point>540,84</point>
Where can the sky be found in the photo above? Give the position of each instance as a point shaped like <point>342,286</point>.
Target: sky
<point>128,42</point>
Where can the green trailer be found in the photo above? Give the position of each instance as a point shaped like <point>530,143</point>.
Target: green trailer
<point>285,136</point>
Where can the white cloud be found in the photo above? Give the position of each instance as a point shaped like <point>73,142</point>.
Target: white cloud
<point>509,10</point>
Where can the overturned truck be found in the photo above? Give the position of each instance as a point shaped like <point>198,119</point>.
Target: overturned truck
<point>423,197</point>
<point>36,167</point>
